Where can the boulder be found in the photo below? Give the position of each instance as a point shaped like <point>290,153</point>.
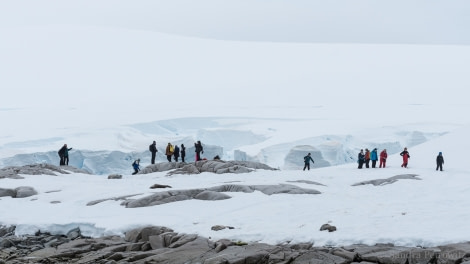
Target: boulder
<point>25,191</point>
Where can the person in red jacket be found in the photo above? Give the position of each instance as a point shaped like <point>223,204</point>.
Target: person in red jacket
<point>383,158</point>
<point>406,155</point>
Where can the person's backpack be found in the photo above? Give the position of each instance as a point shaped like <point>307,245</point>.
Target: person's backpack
<point>150,147</point>
<point>172,149</point>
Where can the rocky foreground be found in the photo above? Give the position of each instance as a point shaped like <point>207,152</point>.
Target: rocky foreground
<point>156,244</point>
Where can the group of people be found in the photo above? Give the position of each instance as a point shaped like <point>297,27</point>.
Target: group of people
<point>368,157</point>
<point>175,152</point>
<point>171,152</point>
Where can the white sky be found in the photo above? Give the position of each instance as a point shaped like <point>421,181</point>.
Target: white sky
<point>85,80</point>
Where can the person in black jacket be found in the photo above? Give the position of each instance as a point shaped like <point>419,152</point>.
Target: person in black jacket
<point>406,155</point>
<point>439,161</point>
<point>360,159</point>
<point>64,155</point>
<point>198,150</point>
<point>183,152</point>
<point>153,150</point>
<point>176,153</point>
<point>307,160</point>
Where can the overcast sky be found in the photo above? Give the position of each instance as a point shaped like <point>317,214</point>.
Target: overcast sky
<point>350,21</point>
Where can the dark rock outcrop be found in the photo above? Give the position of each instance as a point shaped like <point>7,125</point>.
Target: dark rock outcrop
<point>20,192</point>
<point>214,166</point>
<point>157,244</point>
<point>211,194</point>
<point>37,169</point>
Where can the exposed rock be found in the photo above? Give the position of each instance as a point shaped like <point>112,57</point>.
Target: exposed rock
<point>214,166</point>
<point>221,227</point>
<point>20,192</point>
<point>328,227</point>
<point>157,244</point>
<point>37,169</point>
<point>25,191</point>
<point>390,180</point>
<point>155,186</point>
<point>115,176</point>
<point>124,197</point>
<point>213,193</point>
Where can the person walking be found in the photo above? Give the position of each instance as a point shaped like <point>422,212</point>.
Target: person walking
<point>64,155</point>
<point>176,153</point>
<point>198,149</point>
<point>136,166</point>
<point>183,152</point>
<point>360,159</point>
<point>406,155</point>
<point>374,157</point>
<point>307,160</point>
<point>367,158</point>
<point>169,151</point>
<point>153,150</point>
<point>383,158</point>
<point>439,161</point>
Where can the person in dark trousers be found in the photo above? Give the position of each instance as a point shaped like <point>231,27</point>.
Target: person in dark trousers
<point>360,159</point>
<point>439,161</point>
<point>176,153</point>
<point>169,151</point>
<point>307,160</point>
<point>367,158</point>
<point>383,158</point>
<point>406,155</point>
<point>198,150</point>
<point>153,150</point>
<point>374,157</point>
<point>136,166</point>
<point>64,155</point>
<point>183,152</point>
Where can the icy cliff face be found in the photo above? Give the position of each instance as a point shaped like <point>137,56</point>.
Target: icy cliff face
<point>242,139</point>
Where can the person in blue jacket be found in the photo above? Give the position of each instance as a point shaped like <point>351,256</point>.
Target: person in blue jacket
<point>136,166</point>
<point>374,157</point>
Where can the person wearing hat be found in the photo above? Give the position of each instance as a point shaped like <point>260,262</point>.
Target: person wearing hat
<point>307,160</point>
<point>136,166</point>
<point>439,161</point>
<point>360,159</point>
<point>406,155</point>
<point>153,150</point>
<point>374,157</point>
<point>383,158</point>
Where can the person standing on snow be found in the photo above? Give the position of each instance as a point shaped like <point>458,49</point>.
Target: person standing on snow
<point>367,158</point>
<point>373,157</point>
<point>406,155</point>
<point>307,160</point>
<point>439,161</point>
<point>360,159</point>
<point>176,153</point>
<point>198,150</point>
<point>64,155</point>
<point>153,150</point>
<point>383,158</point>
<point>169,151</point>
<point>183,152</point>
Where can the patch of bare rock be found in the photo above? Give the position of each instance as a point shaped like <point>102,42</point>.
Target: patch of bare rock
<point>14,172</point>
<point>214,166</point>
<point>157,244</point>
